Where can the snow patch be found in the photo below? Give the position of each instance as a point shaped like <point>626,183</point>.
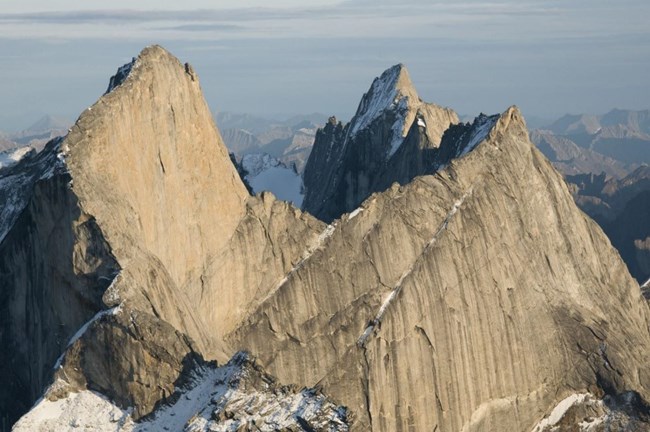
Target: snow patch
<point>85,410</point>
<point>121,75</point>
<point>646,284</point>
<point>214,399</point>
<point>421,122</point>
<point>382,95</point>
<point>355,212</point>
<point>17,181</point>
<point>398,127</point>
<point>480,130</point>
<point>207,384</point>
<point>12,157</point>
<point>560,410</point>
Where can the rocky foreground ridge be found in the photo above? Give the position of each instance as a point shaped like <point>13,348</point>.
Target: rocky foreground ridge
<point>475,297</point>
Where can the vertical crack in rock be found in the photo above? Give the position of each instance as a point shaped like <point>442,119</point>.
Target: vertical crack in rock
<point>162,165</point>
<point>365,381</point>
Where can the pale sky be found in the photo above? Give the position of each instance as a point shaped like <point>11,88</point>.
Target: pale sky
<point>291,57</point>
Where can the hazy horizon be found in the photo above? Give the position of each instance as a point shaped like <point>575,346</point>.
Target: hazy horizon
<point>548,57</point>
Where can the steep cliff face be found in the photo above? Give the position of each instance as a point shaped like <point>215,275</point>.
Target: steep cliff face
<point>347,165</point>
<point>138,210</point>
<point>170,198</point>
<point>474,298</point>
<point>54,268</point>
<point>474,321</point>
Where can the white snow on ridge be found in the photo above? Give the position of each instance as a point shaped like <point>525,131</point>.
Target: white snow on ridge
<point>82,330</point>
<point>17,181</point>
<point>12,157</point>
<point>382,95</point>
<point>398,127</point>
<point>481,129</point>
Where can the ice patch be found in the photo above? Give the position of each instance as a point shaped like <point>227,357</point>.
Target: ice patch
<point>284,183</point>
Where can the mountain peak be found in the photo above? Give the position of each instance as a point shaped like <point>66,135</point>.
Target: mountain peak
<point>391,91</point>
<point>48,123</point>
<point>399,77</point>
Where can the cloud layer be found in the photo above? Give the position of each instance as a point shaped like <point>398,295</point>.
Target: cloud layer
<point>549,57</point>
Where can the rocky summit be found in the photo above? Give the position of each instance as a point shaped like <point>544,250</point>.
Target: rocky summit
<point>391,138</point>
<point>439,278</point>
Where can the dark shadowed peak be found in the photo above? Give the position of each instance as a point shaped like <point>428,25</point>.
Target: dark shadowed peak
<point>392,90</point>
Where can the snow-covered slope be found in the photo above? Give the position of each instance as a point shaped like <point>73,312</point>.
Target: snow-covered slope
<point>583,412</point>
<point>348,163</point>
<point>266,173</point>
<point>228,398</point>
<point>12,157</point>
<point>391,93</point>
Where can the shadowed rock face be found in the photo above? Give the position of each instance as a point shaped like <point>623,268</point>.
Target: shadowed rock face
<point>622,208</point>
<point>348,164</point>
<point>54,268</point>
<point>475,298</point>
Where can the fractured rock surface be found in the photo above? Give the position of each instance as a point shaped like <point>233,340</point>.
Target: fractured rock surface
<point>474,297</point>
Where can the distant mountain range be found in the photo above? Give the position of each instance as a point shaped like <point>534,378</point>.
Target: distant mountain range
<point>604,159</point>
<point>289,141</point>
<point>622,208</point>
<point>36,135</point>
<point>616,143</point>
